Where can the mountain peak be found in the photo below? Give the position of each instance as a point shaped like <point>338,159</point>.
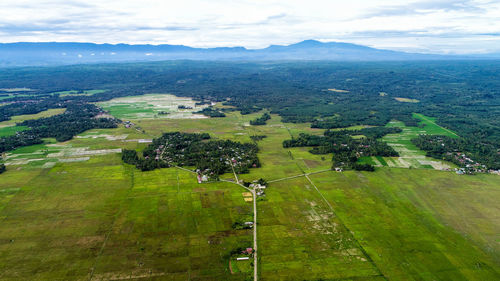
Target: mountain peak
<point>308,43</point>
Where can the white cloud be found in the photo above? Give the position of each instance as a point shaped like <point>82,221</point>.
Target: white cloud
<point>421,25</point>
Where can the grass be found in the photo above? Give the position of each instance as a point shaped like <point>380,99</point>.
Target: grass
<point>407,100</point>
<point>410,155</point>
<point>11,90</point>
<point>418,224</point>
<point>150,106</point>
<point>160,223</point>
<point>76,93</point>
<point>338,91</point>
<point>21,118</point>
<point>11,130</point>
<point>106,220</point>
<point>300,237</point>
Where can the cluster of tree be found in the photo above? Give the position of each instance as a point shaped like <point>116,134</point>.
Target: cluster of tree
<point>184,107</point>
<point>460,151</point>
<point>203,102</point>
<point>244,110</point>
<point>241,225</point>
<point>352,118</point>
<point>77,118</point>
<point>461,95</point>
<point>261,120</point>
<point>144,164</point>
<point>209,111</point>
<point>211,158</point>
<point>2,168</point>
<point>376,132</point>
<point>22,138</point>
<point>346,150</point>
<point>257,138</point>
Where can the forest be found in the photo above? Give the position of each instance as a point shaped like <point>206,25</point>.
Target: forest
<point>463,96</point>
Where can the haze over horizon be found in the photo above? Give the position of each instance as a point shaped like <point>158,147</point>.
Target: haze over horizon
<point>439,27</point>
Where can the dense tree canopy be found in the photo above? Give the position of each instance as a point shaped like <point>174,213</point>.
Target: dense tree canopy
<point>211,158</point>
<point>462,95</point>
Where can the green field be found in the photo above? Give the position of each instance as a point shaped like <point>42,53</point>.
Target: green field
<point>106,220</point>
<point>410,155</point>
<point>419,224</point>
<point>21,118</point>
<point>150,106</point>
<point>77,93</point>
<point>100,219</point>
<point>11,130</point>
<point>301,238</point>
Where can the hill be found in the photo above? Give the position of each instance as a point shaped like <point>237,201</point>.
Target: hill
<point>60,53</point>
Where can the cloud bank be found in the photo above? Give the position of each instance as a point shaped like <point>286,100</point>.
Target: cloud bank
<point>439,26</point>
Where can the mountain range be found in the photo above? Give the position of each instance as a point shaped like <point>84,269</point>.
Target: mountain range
<point>59,53</point>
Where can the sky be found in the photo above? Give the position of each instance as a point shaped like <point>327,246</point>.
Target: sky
<point>426,26</point>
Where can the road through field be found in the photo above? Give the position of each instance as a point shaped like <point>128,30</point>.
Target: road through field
<point>255,271</point>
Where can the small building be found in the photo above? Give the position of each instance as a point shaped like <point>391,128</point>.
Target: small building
<point>242,258</point>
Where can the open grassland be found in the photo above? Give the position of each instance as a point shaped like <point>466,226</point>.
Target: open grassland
<point>410,155</point>
<point>418,224</point>
<point>151,106</point>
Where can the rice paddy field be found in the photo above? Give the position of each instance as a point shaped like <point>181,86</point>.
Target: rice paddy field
<point>152,106</point>
<point>409,155</point>
<point>89,216</point>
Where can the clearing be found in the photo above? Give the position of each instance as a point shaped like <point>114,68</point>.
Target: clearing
<point>406,100</point>
<point>152,106</point>
<point>410,155</point>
